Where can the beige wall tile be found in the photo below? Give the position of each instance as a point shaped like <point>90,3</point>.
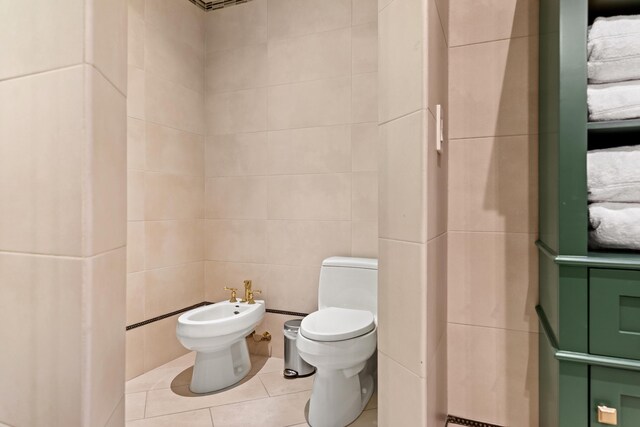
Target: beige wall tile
<point>493,280</point>
<point>400,59</point>
<point>364,147</point>
<point>173,105</point>
<point>437,285</point>
<point>401,394</point>
<point>493,184</point>
<point>108,139</point>
<point>106,317</point>
<point>402,297</point>
<point>49,386</point>
<point>117,417</point>
<point>237,155</point>
<point>135,297</point>
<point>174,151</point>
<point>307,242</point>
<point>493,88</point>
<point>310,150</point>
<point>293,288</point>
<point>290,18</point>
<point>171,58</point>
<point>53,39</point>
<point>135,246</point>
<point>136,92</point>
<point>437,409</point>
<point>364,96</point>
<point>443,9</point>
<point>364,11</point>
<point>134,353</point>
<point>175,242</point>
<point>180,19</point>
<point>236,240</point>
<point>135,33</point>
<point>106,40</point>
<point>236,198</point>
<point>364,55</point>
<point>320,197</point>
<point>437,62</point>
<point>219,274</point>
<point>161,344</point>
<point>476,22</point>
<point>364,239</point>
<point>495,379</point>
<point>316,103</point>
<point>310,57</point>
<point>171,288</point>
<point>364,196</point>
<point>234,112</point>
<point>135,195</point>
<point>437,183</point>
<point>402,179</point>
<point>169,196</point>
<point>135,144</point>
<point>44,162</point>
<point>243,25</point>
<point>234,69</point>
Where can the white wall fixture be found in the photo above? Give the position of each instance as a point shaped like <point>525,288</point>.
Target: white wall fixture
<point>439,128</point>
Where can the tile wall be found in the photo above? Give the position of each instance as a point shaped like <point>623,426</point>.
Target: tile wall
<point>493,283</point>
<point>412,340</point>
<point>165,174</point>
<point>291,148</point>
<point>63,88</point>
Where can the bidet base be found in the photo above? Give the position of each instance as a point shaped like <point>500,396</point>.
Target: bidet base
<point>220,369</point>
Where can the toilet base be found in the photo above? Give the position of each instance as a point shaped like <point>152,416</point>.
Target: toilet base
<point>219,369</point>
<point>337,400</point>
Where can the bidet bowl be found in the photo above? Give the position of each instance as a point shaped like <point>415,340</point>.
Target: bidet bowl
<point>217,333</point>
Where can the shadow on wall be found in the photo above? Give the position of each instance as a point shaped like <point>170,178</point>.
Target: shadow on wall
<point>514,176</point>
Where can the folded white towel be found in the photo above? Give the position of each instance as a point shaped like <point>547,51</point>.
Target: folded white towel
<point>613,174</point>
<point>614,101</point>
<point>614,49</point>
<point>614,226</point>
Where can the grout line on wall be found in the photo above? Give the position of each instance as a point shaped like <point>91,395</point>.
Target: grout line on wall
<point>37,73</point>
<point>499,328</point>
<point>493,41</point>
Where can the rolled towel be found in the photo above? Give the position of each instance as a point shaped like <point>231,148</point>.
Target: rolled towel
<point>613,49</point>
<point>613,174</point>
<point>614,226</point>
<point>614,101</point>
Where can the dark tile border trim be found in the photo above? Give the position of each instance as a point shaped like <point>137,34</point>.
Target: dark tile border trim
<point>200,304</point>
<point>216,4</point>
<point>465,422</point>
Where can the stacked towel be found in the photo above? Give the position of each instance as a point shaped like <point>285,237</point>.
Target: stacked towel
<point>613,179</point>
<point>614,226</point>
<point>613,175</point>
<point>614,68</point>
<point>614,49</point>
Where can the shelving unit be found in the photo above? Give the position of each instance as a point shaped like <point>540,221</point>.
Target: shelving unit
<point>589,306</point>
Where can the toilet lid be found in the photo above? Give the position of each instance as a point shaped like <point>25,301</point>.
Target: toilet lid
<point>336,324</point>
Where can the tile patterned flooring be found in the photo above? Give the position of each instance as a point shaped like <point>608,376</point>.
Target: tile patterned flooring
<point>161,398</point>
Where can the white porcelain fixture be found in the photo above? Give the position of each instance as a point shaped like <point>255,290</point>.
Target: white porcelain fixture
<point>217,333</point>
<point>340,340</point>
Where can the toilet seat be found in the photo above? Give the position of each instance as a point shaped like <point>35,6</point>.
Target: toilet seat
<point>337,324</point>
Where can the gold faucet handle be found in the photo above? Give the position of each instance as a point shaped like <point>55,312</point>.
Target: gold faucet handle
<point>251,300</point>
<point>234,293</point>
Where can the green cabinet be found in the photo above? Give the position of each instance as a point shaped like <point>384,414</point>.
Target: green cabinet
<point>618,389</point>
<point>614,313</point>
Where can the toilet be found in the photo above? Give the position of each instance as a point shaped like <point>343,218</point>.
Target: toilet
<point>340,340</point>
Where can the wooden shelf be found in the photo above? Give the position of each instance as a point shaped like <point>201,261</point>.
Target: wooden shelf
<point>614,126</point>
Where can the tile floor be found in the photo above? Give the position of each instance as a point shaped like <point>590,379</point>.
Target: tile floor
<point>161,398</point>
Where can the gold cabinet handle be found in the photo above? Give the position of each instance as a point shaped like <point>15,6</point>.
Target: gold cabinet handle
<point>607,415</point>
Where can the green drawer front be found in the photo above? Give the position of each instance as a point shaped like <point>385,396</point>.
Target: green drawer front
<point>614,313</point>
<point>619,389</point>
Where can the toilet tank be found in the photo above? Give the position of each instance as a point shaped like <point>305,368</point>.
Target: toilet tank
<point>349,283</point>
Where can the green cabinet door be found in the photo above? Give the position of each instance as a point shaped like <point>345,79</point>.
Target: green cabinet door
<point>618,389</point>
<point>614,313</point>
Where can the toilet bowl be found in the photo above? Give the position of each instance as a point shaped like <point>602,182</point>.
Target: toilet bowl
<point>340,341</point>
<point>217,334</point>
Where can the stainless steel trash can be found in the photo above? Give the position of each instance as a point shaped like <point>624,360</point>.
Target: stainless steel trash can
<point>294,365</point>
